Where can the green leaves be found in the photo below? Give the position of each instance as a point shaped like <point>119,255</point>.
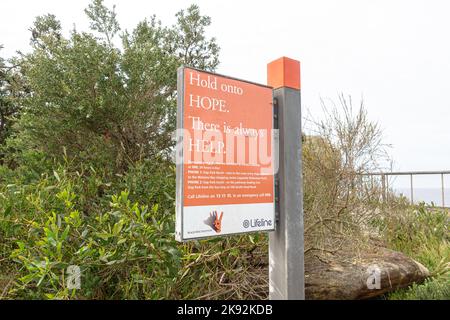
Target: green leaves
<point>123,241</point>
<point>189,42</point>
<point>102,19</point>
<point>108,107</point>
<point>105,245</point>
<point>12,90</point>
<point>117,228</point>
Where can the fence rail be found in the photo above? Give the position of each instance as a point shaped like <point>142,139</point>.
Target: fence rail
<point>411,174</point>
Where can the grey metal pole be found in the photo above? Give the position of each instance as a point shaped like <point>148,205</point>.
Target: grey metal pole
<point>387,188</point>
<point>412,190</point>
<point>286,248</point>
<point>442,190</point>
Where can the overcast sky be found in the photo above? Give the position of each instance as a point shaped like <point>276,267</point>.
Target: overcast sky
<point>394,53</point>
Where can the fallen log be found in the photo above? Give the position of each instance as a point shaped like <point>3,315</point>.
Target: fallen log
<point>366,276</point>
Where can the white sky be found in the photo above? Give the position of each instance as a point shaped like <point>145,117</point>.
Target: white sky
<point>394,53</point>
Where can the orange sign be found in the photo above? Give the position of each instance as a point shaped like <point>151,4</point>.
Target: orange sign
<point>225,161</point>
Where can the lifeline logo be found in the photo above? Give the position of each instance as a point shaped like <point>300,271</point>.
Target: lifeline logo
<point>215,221</point>
<point>254,223</point>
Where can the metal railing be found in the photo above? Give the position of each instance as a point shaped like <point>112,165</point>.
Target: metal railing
<point>385,181</point>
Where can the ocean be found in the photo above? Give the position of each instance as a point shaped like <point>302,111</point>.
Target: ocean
<point>427,195</point>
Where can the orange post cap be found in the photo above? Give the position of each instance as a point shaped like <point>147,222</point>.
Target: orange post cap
<point>284,72</point>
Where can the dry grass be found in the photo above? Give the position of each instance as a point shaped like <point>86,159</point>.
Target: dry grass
<point>339,200</point>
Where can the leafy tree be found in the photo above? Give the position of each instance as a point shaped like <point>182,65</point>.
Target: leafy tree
<point>188,41</point>
<point>3,96</point>
<point>103,19</point>
<point>46,30</point>
<point>98,104</point>
<point>12,89</point>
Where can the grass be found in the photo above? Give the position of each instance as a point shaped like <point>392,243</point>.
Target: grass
<point>432,289</point>
<point>422,234</point>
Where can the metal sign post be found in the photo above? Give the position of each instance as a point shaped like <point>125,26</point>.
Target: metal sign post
<point>225,176</point>
<point>286,248</point>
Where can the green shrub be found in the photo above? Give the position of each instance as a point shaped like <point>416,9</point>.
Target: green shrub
<point>123,241</point>
<point>422,234</point>
<point>432,289</point>
<point>126,252</point>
